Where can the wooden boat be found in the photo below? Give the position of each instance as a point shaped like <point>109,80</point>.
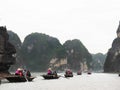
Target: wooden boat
<point>119,75</point>
<point>79,73</point>
<point>89,73</point>
<point>68,75</point>
<point>50,76</point>
<point>16,78</point>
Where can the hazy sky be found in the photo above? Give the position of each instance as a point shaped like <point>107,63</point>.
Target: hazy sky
<point>93,22</point>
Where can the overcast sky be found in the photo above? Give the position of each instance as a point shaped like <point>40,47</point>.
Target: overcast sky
<point>93,22</point>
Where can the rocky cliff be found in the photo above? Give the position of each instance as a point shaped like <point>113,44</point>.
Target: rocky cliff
<point>15,40</point>
<point>77,55</point>
<point>112,62</point>
<point>7,51</point>
<point>39,49</point>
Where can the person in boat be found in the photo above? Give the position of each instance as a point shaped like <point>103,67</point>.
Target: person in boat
<point>49,71</point>
<point>19,72</point>
<point>55,73</point>
<point>68,72</point>
<point>28,73</point>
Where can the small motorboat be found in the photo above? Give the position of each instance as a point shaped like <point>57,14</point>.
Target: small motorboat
<point>16,78</point>
<point>50,76</point>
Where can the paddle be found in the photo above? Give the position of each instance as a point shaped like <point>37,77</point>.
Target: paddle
<point>26,78</point>
<point>25,75</point>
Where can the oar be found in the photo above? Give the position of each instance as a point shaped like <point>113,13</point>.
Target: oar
<point>25,76</point>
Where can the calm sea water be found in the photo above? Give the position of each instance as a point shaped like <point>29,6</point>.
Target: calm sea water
<point>95,81</point>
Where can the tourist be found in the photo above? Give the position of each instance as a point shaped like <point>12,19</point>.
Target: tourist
<point>49,71</point>
<point>19,72</point>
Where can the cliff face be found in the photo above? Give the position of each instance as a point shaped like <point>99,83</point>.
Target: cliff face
<point>7,51</point>
<point>15,40</point>
<point>38,49</point>
<point>112,63</point>
<point>77,55</point>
